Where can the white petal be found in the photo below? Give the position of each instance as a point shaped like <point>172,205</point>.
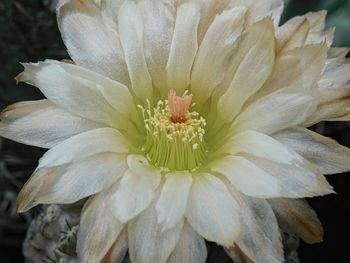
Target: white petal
<point>131,37</point>
<point>295,181</point>
<point>335,80</point>
<point>326,154</point>
<point>90,42</point>
<point>256,48</point>
<point>277,111</point>
<point>183,47</point>
<point>80,91</point>
<point>295,216</point>
<point>41,123</point>
<point>94,238</point>
<point>158,25</point>
<point>307,63</point>
<point>84,145</point>
<point>117,252</point>
<point>134,194</point>
<point>261,145</point>
<point>214,53</point>
<point>209,9</point>
<point>147,242</point>
<point>69,183</point>
<point>338,52</point>
<point>172,202</point>
<point>258,10</point>
<point>246,177</point>
<point>260,237</point>
<point>191,247</point>
<point>211,210</point>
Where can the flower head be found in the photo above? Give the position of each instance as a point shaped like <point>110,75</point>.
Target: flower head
<point>164,172</point>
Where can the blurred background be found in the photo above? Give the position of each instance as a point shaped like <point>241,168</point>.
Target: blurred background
<point>28,33</point>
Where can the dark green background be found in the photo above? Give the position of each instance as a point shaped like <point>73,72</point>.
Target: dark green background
<point>28,33</point>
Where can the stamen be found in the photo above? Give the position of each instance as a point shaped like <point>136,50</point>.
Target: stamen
<point>175,136</point>
<point>178,106</point>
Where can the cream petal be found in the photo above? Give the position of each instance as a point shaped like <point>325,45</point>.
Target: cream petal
<point>90,42</point>
<point>110,10</point>
<point>246,177</point>
<point>255,143</point>
<point>191,247</point>
<point>295,181</point>
<point>134,194</point>
<point>303,30</point>
<point>258,10</point>
<point>297,217</point>
<point>338,52</point>
<point>117,252</point>
<point>307,63</point>
<point>183,47</point>
<point>335,80</point>
<point>211,211</point>
<point>158,25</point>
<point>95,239</point>
<point>41,123</point>
<point>80,91</point>
<point>212,57</point>
<point>209,9</point>
<point>292,34</point>
<point>276,111</point>
<point>147,242</point>
<point>131,37</point>
<point>260,237</point>
<point>84,145</point>
<point>326,154</point>
<point>70,183</point>
<point>171,205</point>
<point>256,48</point>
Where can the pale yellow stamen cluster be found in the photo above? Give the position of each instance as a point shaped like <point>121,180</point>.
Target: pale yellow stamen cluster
<point>173,145</point>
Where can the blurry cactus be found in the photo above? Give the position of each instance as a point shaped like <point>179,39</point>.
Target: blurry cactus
<point>51,236</point>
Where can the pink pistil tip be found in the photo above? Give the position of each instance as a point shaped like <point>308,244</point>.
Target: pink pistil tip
<point>178,106</point>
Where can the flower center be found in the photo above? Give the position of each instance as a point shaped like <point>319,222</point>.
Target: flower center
<point>175,136</point>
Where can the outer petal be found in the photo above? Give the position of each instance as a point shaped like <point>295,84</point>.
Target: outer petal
<point>131,37</point>
<point>70,183</point>
<point>41,123</point>
<point>183,47</point>
<point>295,181</point>
<point>95,239</point>
<point>307,63</point>
<point>91,42</point>
<point>326,154</point>
<point>258,10</point>
<point>247,177</point>
<point>84,145</point>
<point>147,242</point>
<point>135,192</point>
<point>297,217</point>
<point>191,247</point>
<point>212,58</point>
<point>172,202</point>
<point>256,48</point>
<point>80,91</point>
<point>117,252</point>
<point>260,236</point>
<point>211,211</point>
<point>277,111</point>
<point>158,26</point>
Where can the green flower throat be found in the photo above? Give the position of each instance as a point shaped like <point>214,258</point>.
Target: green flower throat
<point>175,136</point>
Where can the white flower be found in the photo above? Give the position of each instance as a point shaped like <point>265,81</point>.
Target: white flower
<point>165,172</point>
